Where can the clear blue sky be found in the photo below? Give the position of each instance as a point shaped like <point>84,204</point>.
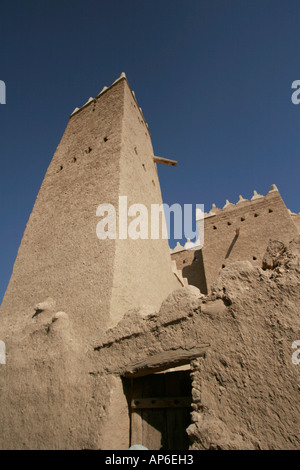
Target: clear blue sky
<point>213,78</point>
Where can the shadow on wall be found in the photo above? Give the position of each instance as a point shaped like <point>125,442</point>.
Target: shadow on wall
<point>231,245</point>
<point>195,272</point>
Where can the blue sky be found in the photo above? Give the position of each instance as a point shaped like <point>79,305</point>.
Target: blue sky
<point>213,78</point>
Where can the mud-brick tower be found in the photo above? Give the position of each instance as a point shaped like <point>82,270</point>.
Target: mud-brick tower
<point>68,286</point>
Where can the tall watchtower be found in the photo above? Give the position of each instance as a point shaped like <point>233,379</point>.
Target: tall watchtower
<point>68,286</point>
<point>105,152</point>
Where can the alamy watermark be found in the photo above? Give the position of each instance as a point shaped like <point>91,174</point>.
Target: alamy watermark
<point>296,95</point>
<point>296,354</point>
<point>2,353</point>
<point>2,92</point>
<point>160,222</point>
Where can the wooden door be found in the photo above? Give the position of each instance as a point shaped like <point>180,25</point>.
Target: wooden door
<point>160,410</point>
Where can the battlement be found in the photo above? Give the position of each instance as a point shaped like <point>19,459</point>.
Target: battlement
<point>104,90</point>
<point>187,246</point>
<point>236,232</point>
<point>256,200</point>
<point>242,202</point>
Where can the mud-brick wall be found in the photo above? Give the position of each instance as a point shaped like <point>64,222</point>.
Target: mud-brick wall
<point>242,232</point>
<point>48,397</point>
<point>236,233</point>
<point>245,389</point>
<point>190,262</point>
<point>296,220</point>
<point>142,273</point>
<point>60,255</point>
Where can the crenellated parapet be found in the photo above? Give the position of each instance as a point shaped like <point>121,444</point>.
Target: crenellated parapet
<point>236,232</point>
<point>104,90</point>
<point>231,206</point>
<point>187,246</point>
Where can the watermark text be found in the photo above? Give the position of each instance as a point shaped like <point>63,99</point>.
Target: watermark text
<point>2,92</point>
<point>2,353</point>
<point>296,354</point>
<point>296,95</point>
<point>155,221</point>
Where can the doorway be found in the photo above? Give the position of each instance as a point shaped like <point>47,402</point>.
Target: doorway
<point>160,407</point>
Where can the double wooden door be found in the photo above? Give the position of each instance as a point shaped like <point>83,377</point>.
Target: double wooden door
<point>160,410</point>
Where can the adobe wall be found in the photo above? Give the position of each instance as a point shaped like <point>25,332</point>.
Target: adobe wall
<point>257,220</point>
<point>245,389</point>
<point>190,262</point>
<point>60,255</point>
<point>65,289</point>
<point>296,220</point>
<point>46,391</point>
<point>142,270</point>
<point>237,232</point>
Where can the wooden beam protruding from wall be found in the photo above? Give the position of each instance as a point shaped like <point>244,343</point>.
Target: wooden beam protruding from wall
<point>165,161</point>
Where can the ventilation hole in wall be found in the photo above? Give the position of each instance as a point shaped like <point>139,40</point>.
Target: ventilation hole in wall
<point>270,210</point>
<point>228,223</point>
<point>254,258</point>
<point>224,290</point>
<point>256,215</point>
<point>60,168</point>
<point>223,266</point>
<point>242,219</point>
<point>214,227</point>
<point>74,159</point>
<point>153,182</point>
<point>184,261</point>
<point>135,150</point>
<point>88,150</point>
<point>144,166</point>
<point>227,301</point>
<point>105,139</point>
